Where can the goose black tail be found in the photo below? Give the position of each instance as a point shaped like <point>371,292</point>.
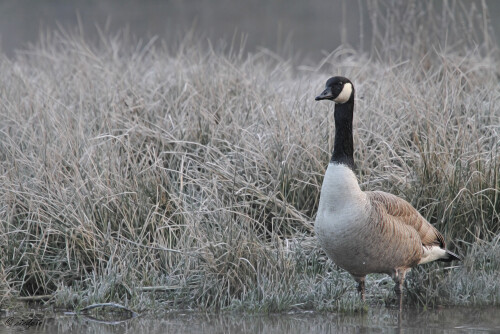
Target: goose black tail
<point>451,257</point>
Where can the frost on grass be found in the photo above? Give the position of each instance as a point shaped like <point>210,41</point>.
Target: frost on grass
<point>187,177</point>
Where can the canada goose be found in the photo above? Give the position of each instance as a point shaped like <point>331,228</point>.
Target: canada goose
<point>367,232</point>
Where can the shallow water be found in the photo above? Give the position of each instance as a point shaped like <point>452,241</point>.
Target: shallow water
<point>379,320</point>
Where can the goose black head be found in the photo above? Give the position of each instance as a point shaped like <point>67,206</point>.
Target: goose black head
<point>337,89</point>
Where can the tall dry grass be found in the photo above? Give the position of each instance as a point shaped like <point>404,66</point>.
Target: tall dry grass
<point>188,177</point>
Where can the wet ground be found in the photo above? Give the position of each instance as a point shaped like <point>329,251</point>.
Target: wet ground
<point>381,320</point>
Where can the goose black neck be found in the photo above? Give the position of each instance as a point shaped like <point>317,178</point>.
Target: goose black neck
<point>343,148</point>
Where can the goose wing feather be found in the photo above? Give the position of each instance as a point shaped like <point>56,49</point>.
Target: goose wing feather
<point>402,212</point>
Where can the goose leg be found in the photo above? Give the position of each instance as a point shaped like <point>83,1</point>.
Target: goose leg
<point>399,294</point>
<point>399,278</point>
<point>361,286</point>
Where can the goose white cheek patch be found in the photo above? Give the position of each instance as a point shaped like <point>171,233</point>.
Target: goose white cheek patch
<point>345,94</point>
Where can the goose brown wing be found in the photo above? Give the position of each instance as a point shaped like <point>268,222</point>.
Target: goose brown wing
<point>403,213</point>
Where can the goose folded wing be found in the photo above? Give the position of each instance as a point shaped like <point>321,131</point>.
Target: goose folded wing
<point>403,212</point>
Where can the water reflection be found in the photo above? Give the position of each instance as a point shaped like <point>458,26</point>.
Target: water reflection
<point>379,320</point>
